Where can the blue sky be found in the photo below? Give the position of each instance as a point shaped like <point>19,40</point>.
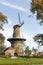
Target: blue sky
<point>11,8</point>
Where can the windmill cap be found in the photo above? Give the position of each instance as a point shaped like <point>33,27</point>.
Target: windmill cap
<point>16,26</point>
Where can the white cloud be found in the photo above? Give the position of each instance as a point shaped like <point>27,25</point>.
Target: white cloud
<point>9,21</point>
<point>28,37</point>
<point>29,40</point>
<point>15,7</point>
<point>8,34</point>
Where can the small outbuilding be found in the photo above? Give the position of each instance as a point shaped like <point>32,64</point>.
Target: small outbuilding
<point>9,51</point>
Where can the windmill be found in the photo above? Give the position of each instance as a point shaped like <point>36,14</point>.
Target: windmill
<point>17,41</point>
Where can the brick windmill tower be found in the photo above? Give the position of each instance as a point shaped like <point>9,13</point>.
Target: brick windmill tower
<point>16,41</point>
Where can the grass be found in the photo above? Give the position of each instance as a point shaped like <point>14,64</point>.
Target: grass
<point>20,60</point>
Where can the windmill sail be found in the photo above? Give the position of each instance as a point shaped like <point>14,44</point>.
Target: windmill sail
<point>21,23</point>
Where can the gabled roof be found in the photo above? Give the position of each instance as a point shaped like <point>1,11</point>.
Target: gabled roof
<point>9,48</point>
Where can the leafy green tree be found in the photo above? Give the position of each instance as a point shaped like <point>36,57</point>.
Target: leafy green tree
<point>39,39</point>
<point>34,50</point>
<point>2,38</point>
<point>27,51</point>
<point>3,20</point>
<point>37,7</point>
<point>2,48</point>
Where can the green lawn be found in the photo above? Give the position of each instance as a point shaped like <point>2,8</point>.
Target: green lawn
<point>21,60</point>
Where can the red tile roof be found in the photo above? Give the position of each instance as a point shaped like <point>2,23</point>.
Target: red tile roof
<point>9,48</point>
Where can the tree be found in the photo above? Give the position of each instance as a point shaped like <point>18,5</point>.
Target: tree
<point>2,48</point>
<point>34,50</point>
<point>2,38</point>
<point>27,51</point>
<point>3,20</point>
<point>37,6</point>
<point>39,39</point>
